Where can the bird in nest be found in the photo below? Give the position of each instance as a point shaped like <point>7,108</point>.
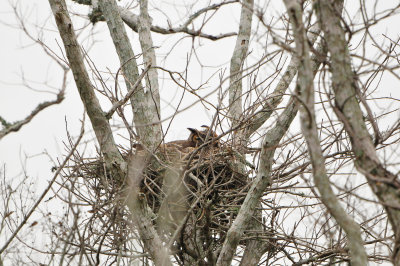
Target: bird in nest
<point>196,139</point>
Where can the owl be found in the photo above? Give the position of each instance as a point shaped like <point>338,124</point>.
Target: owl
<point>195,139</point>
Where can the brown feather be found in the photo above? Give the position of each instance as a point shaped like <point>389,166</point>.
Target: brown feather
<point>195,139</point>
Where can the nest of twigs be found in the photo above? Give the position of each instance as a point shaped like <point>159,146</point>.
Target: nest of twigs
<point>206,183</point>
<point>202,188</point>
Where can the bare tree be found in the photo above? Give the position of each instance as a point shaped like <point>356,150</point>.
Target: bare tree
<point>254,186</point>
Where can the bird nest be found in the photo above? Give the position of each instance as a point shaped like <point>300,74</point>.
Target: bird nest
<point>200,188</point>
<point>207,184</point>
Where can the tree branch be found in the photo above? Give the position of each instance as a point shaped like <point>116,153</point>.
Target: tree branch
<point>261,182</point>
<point>144,106</point>
<point>349,112</point>
<point>121,102</point>
<point>132,21</point>
<point>102,129</point>
<point>275,98</point>
<point>305,91</point>
<point>138,206</point>
<point>14,127</point>
<point>237,61</point>
<point>44,193</point>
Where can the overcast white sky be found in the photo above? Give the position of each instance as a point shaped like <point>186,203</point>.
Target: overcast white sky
<point>20,60</point>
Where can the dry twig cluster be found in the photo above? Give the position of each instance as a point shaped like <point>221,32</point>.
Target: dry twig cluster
<point>202,189</point>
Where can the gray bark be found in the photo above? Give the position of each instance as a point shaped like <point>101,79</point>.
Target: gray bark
<point>149,55</point>
<point>112,156</point>
<point>237,61</point>
<point>16,126</point>
<point>252,254</point>
<point>305,92</point>
<point>275,98</point>
<point>141,215</point>
<point>383,183</point>
<point>144,103</point>
<point>256,248</point>
<point>132,21</point>
<point>96,115</point>
<point>261,182</point>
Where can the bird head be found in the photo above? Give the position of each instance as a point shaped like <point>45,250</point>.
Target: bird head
<point>198,137</point>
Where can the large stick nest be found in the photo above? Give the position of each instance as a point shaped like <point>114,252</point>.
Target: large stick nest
<point>202,188</point>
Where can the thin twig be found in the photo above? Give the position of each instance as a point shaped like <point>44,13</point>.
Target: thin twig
<point>46,190</point>
<point>121,102</point>
<point>14,127</point>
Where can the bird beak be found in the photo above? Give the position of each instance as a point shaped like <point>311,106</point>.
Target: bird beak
<point>205,126</point>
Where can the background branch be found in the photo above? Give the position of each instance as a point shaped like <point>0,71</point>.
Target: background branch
<point>144,106</point>
<point>258,186</point>
<point>96,115</point>
<point>349,112</point>
<point>305,91</point>
<point>15,126</point>
<point>44,193</point>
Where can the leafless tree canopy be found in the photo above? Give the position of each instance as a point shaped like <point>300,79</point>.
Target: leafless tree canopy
<point>297,164</point>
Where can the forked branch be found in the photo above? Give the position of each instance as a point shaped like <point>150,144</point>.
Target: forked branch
<point>305,92</point>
